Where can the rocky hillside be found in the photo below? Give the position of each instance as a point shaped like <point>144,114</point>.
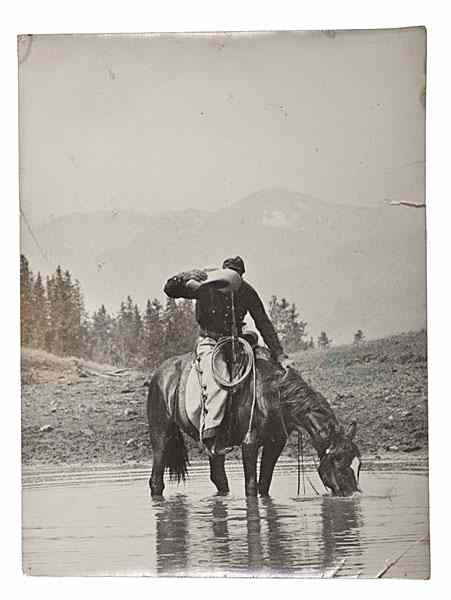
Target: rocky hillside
<point>382,384</point>
<point>79,412</point>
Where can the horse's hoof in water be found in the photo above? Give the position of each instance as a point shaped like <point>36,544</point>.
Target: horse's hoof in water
<point>222,493</point>
<point>157,501</point>
<point>155,494</point>
<point>156,497</point>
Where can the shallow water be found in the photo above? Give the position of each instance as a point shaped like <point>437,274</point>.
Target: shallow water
<point>101,521</point>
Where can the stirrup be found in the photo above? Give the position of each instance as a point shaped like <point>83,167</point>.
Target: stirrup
<point>214,451</point>
<point>209,450</point>
<point>223,451</point>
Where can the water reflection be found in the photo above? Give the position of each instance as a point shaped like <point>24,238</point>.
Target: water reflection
<point>192,532</point>
<point>254,538</point>
<point>342,521</point>
<point>172,542</point>
<point>254,535</point>
<point>278,553</point>
<point>221,538</point>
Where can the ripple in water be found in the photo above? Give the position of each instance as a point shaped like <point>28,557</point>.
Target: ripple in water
<point>102,522</point>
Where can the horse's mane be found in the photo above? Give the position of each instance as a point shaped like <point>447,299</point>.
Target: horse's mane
<point>292,393</point>
<point>296,393</point>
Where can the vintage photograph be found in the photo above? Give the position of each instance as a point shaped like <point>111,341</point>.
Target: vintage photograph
<point>223,304</point>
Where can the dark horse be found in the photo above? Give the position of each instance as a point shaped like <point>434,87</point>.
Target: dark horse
<point>285,403</point>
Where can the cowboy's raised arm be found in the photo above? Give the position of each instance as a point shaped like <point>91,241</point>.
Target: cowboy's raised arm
<point>184,285</point>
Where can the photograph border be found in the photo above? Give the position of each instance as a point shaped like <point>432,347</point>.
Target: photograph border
<point>39,20</point>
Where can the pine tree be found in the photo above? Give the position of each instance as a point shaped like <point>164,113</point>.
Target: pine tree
<point>52,318</point>
<point>67,321</point>
<point>187,325</point>
<point>171,330</point>
<point>39,325</point>
<point>323,341</point>
<point>295,331</point>
<point>56,298</point>
<point>71,316</point>
<point>101,336</point>
<point>153,331</point>
<point>358,336</point>
<point>286,321</point>
<point>26,316</point>
<point>83,319</point>
<point>122,328</point>
<point>127,334</point>
<point>136,334</point>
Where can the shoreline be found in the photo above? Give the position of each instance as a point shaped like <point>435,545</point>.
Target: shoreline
<point>383,459</point>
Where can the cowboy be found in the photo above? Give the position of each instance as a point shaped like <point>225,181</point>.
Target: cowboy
<point>218,314</point>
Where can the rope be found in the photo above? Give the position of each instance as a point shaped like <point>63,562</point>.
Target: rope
<point>282,418</point>
<point>250,366</point>
<point>301,464</point>
<point>220,380</point>
<point>202,399</point>
<point>299,468</point>
<point>234,335</point>
<point>302,459</point>
<point>299,453</point>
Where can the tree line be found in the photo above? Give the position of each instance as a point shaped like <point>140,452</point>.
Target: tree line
<point>54,318</point>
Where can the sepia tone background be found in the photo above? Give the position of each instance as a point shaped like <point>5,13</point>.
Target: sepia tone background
<point>145,155</point>
<point>285,148</point>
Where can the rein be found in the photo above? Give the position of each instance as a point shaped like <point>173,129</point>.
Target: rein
<point>301,453</point>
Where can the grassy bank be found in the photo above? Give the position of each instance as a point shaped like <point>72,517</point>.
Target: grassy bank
<point>74,411</point>
<point>382,384</point>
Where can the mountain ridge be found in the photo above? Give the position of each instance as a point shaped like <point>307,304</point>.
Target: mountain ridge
<point>345,267</point>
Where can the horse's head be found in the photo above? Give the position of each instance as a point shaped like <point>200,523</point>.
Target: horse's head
<point>298,406</point>
<point>337,463</point>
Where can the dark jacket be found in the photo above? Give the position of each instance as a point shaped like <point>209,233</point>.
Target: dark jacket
<point>214,310</point>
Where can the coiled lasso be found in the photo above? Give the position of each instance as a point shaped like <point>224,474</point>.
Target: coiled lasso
<point>249,352</point>
<point>220,380</point>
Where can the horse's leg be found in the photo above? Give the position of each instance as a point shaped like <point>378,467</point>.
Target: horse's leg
<point>250,453</point>
<point>218,475</point>
<point>158,424</point>
<point>156,481</point>
<point>270,454</point>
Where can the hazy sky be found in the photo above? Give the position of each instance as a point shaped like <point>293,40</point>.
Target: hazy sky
<point>158,122</point>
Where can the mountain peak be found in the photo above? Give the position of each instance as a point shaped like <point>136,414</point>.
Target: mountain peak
<point>278,208</point>
<point>279,198</point>
<point>336,262</point>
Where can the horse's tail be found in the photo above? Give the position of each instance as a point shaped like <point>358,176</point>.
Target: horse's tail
<point>176,454</point>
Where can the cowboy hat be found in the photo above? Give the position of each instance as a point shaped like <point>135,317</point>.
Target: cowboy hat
<point>223,280</point>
